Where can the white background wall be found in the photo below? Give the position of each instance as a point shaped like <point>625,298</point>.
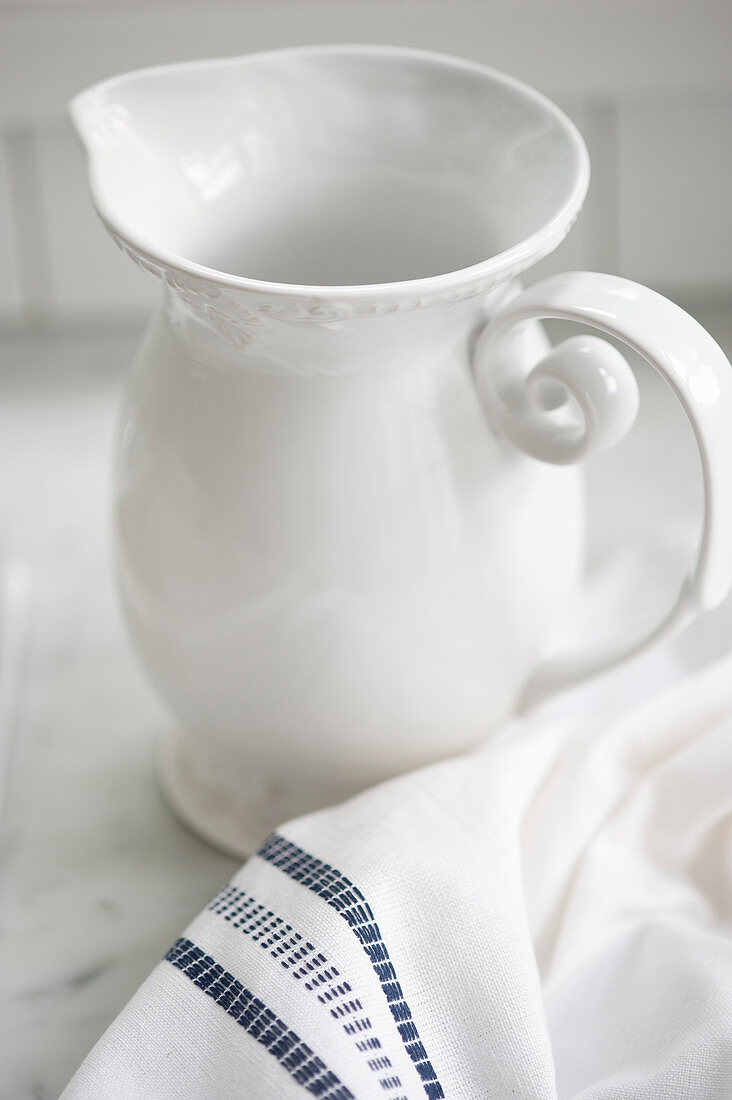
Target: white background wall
<point>649,84</point>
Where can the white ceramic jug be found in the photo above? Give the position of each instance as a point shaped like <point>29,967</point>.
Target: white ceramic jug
<point>348,523</point>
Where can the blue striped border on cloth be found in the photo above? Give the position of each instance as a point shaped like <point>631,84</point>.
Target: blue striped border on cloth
<point>260,1022</point>
<point>350,904</point>
<point>308,965</point>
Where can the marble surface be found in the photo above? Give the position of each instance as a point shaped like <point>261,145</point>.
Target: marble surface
<point>97,878</point>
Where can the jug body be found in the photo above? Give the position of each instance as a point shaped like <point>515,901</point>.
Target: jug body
<point>332,567</point>
<point>347,507</point>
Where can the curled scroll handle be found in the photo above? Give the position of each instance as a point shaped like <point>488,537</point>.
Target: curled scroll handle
<point>582,397</point>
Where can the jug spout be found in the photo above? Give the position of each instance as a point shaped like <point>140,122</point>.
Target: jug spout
<point>134,185</point>
<point>84,113</point>
<point>101,122</point>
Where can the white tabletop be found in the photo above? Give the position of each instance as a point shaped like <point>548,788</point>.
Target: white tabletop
<point>97,877</point>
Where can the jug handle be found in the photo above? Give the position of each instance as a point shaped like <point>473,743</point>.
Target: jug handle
<point>528,404</point>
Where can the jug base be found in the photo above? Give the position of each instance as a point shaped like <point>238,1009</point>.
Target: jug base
<point>228,801</point>
<point>216,802</point>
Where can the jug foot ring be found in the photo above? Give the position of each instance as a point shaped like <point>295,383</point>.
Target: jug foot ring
<point>224,806</point>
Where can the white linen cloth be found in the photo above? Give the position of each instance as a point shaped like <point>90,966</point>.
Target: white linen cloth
<point>550,916</point>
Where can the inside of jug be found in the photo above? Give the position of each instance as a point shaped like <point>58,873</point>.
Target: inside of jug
<point>333,166</point>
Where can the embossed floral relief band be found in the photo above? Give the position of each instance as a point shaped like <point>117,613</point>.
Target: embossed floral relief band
<point>230,309</point>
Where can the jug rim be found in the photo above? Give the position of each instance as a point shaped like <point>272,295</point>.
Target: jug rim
<point>496,269</point>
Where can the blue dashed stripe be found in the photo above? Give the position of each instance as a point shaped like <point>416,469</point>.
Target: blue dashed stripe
<point>351,905</point>
<point>309,966</point>
<point>260,1022</point>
